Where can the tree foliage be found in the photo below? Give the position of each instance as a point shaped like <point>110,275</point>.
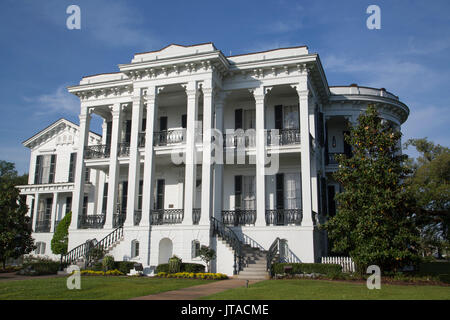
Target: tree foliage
<point>60,238</point>
<point>430,184</point>
<point>15,226</point>
<point>374,222</point>
<point>207,254</point>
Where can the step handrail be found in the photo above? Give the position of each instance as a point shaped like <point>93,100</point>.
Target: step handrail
<point>226,233</point>
<point>85,248</point>
<point>272,252</point>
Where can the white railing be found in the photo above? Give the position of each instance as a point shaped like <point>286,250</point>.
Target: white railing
<point>346,262</point>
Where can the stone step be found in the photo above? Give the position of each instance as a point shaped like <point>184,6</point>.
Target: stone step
<point>253,277</point>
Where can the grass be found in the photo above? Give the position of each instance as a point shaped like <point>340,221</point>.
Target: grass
<point>92,288</point>
<point>329,290</point>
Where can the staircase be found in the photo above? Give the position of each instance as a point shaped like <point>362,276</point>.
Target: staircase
<point>249,263</point>
<point>82,252</point>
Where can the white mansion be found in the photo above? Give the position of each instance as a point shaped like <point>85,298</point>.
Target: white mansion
<point>199,149</point>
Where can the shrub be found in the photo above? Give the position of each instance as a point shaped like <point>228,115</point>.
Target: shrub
<point>174,264</point>
<point>299,268</point>
<point>36,266</point>
<point>192,267</point>
<point>108,263</point>
<point>124,266</point>
<point>185,267</point>
<point>444,278</point>
<point>434,268</point>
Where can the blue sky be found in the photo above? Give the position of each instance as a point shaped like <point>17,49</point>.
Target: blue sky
<point>40,57</point>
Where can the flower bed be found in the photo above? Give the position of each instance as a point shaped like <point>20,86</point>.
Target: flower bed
<point>191,275</point>
<point>114,272</point>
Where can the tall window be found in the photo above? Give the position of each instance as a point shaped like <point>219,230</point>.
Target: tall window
<point>290,117</point>
<point>249,196</point>
<point>87,175</point>
<point>85,204</point>
<point>73,160</point>
<point>105,197</point>
<point>141,188</point>
<point>134,248</point>
<point>292,198</point>
<point>195,248</point>
<point>45,169</point>
<point>68,204</point>
<point>40,248</point>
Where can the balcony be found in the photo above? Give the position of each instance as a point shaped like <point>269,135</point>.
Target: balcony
<point>100,151</point>
<point>331,158</point>
<point>166,216</point>
<point>168,137</point>
<point>284,217</point>
<point>119,219</point>
<point>92,221</point>
<point>283,137</point>
<point>196,215</point>
<point>42,226</point>
<point>238,217</point>
<point>123,149</point>
<point>137,217</point>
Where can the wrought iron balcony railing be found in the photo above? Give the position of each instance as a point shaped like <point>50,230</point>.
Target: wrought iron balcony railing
<point>166,216</point>
<point>284,217</point>
<point>167,137</point>
<point>42,226</point>
<point>238,217</point>
<point>99,151</point>
<point>119,219</point>
<point>283,137</point>
<point>141,140</point>
<point>92,221</point>
<point>239,139</point>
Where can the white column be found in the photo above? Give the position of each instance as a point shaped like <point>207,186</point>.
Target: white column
<point>218,167</point>
<point>35,210</point>
<point>54,210</point>
<point>260,155</point>
<point>114,167</point>
<point>207,163</point>
<point>190,153</point>
<point>302,90</point>
<point>134,166</point>
<point>78,193</point>
<point>149,161</point>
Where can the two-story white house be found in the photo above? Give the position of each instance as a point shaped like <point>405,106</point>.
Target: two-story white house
<point>198,148</point>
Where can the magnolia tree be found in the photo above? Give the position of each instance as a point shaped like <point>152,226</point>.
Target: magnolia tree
<point>374,220</point>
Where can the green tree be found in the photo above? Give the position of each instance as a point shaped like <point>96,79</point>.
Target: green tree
<point>430,184</point>
<point>374,222</point>
<point>60,240</point>
<point>207,254</point>
<point>15,225</point>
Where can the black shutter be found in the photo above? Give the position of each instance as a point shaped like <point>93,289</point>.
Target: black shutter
<point>73,157</point>
<point>238,119</point>
<point>105,198</point>
<point>108,133</point>
<point>160,194</point>
<point>331,202</point>
<point>144,124</point>
<point>37,170</point>
<point>32,211</point>
<point>280,190</point>
<point>124,196</point>
<point>85,203</point>
<point>321,129</point>
<point>184,121</point>
<point>237,192</point>
<point>279,117</point>
<point>51,177</point>
<point>141,188</point>
<point>68,204</point>
<point>128,131</point>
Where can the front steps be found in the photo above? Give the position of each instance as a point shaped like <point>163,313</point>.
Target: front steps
<point>254,263</point>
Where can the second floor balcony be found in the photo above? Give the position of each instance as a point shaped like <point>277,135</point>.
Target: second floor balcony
<point>42,226</point>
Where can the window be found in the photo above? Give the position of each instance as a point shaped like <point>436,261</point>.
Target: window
<point>85,204</point>
<point>73,158</point>
<point>292,191</point>
<point>40,248</point>
<point>141,189</point>
<point>249,197</point>
<point>105,198</point>
<point>45,169</point>
<point>290,117</point>
<point>87,175</point>
<point>134,249</point>
<point>195,252</point>
<point>68,204</point>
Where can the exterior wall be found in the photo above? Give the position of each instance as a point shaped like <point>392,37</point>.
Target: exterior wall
<point>203,84</point>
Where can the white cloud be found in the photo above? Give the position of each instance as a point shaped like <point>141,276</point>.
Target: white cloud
<point>58,102</point>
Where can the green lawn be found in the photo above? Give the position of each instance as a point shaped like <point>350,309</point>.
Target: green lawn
<point>328,290</point>
<point>92,287</point>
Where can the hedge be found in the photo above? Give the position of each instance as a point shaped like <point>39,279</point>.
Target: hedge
<point>191,275</point>
<point>124,266</point>
<point>185,267</point>
<point>434,268</point>
<point>299,268</point>
<point>39,266</point>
